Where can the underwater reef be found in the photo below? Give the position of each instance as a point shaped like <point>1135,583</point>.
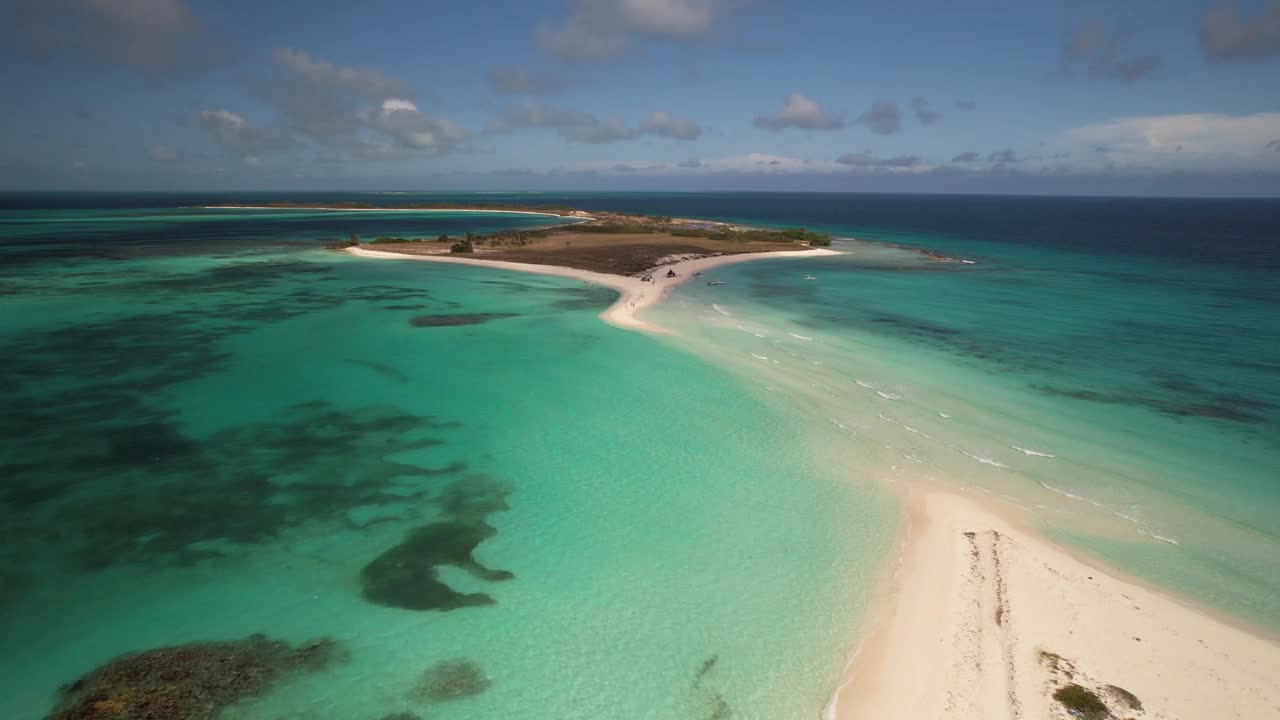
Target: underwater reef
<point>406,576</point>
<point>450,680</point>
<point>187,682</point>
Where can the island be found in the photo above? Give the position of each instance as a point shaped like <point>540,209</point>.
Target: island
<point>643,257</point>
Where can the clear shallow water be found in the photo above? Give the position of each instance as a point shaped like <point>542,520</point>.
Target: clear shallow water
<point>1128,394</point>
<point>212,429</point>
<point>220,426</point>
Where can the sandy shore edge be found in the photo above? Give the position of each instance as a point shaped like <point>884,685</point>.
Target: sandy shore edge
<point>635,295</point>
<point>984,618</point>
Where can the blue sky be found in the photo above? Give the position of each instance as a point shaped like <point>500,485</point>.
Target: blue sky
<point>1140,97</point>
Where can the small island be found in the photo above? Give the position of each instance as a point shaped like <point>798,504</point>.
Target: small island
<point>604,242</point>
<point>642,257</point>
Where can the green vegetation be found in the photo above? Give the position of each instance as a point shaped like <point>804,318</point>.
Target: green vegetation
<point>353,241</point>
<point>347,205</point>
<point>813,238</point>
<point>466,245</point>
<point>515,239</point>
<point>1083,701</point>
<point>619,228</point>
<point>1126,697</point>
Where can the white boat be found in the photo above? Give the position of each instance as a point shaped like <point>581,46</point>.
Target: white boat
<point>716,282</point>
<point>810,277</point>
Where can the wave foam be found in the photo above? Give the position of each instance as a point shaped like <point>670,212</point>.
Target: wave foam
<point>799,337</point>
<point>721,310</point>
<point>983,459</point>
<point>1036,453</point>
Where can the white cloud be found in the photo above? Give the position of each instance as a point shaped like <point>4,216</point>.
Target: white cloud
<point>800,112</point>
<point>400,120</point>
<point>601,29</point>
<point>1193,142</point>
<point>369,83</point>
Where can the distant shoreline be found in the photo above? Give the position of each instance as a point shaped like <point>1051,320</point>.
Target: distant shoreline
<point>390,209</point>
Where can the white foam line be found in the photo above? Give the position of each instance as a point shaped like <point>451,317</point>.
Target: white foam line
<point>908,428</point>
<point>759,357</point>
<point>721,310</point>
<point>799,337</point>
<point>985,460</point>
<point>1122,516</point>
<point>943,415</point>
<point>866,385</point>
<point>1036,453</point>
<point>889,396</point>
<point>1161,538</point>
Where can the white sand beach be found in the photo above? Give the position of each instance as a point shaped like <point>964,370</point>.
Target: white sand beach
<point>636,294</point>
<point>983,619</point>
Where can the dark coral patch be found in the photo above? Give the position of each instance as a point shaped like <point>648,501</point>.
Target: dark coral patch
<point>186,682</point>
<point>451,680</point>
<point>406,576</point>
<point>455,319</point>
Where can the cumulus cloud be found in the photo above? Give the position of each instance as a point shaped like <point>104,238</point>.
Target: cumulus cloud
<point>339,113</point>
<point>401,121</point>
<point>1191,143</point>
<point>602,29</point>
<point>580,127</point>
<point>882,117</point>
<point>241,138</point>
<point>512,80</point>
<point>573,125</point>
<point>966,105</point>
<point>867,159</point>
<point>1098,48</point>
<point>1003,157</point>
<point>664,124</point>
<point>966,157</point>
<point>162,153</point>
<point>323,100</point>
<point>148,35</point>
<point>802,113</point>
<point>924,113</point>
<point>1225,34</point>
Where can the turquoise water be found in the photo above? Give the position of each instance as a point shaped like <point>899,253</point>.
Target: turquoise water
<point>1129,404</point>
<point>215,429</point>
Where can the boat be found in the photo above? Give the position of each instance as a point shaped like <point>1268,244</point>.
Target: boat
<point>810,277</point>
<point>716,282</point>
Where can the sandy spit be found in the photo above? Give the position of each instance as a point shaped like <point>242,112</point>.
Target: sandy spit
<point>636,295</point>
<point>985,619</point>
